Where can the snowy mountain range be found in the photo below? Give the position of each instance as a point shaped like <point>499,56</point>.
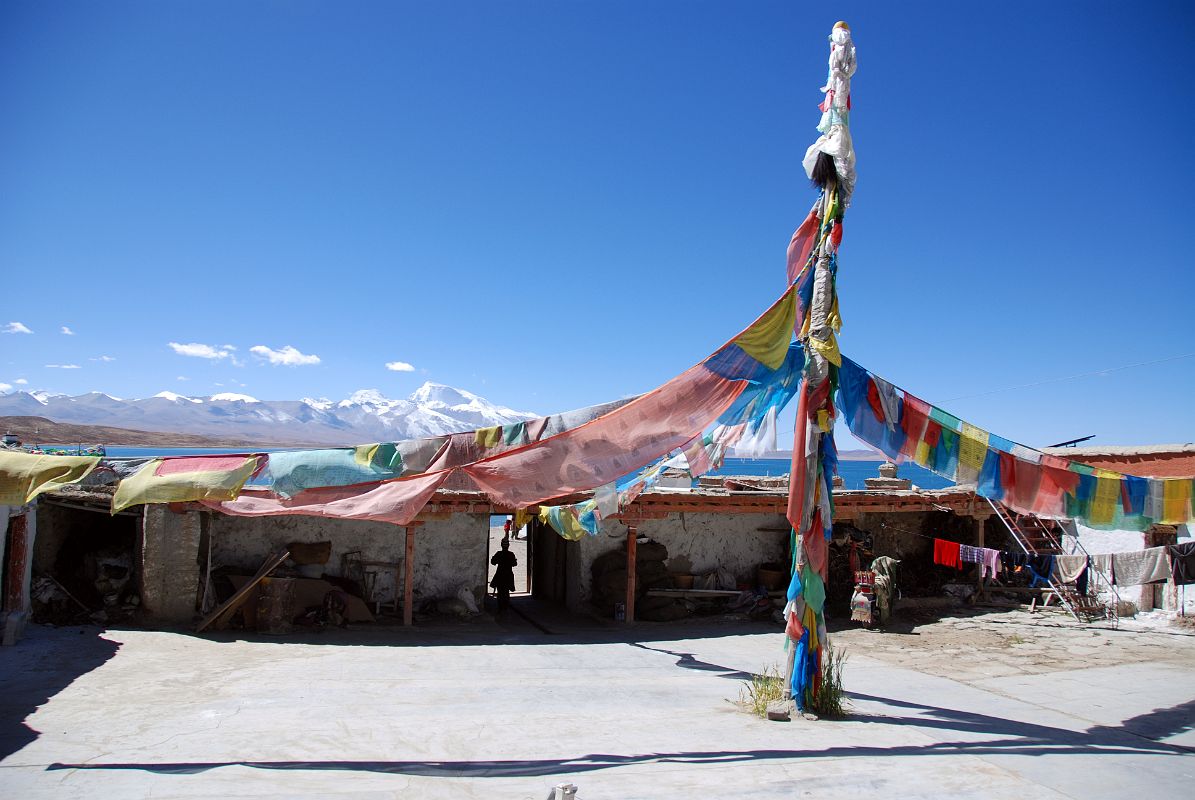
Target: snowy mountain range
<point>367,416</point>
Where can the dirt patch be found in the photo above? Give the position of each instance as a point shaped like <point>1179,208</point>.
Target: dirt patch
<point>963,644</point>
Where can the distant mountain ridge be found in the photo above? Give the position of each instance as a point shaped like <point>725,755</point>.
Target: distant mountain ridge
<point>366,416</point>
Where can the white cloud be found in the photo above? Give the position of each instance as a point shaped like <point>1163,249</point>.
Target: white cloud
<point>183,378</point>
<point>4,387</point>
<point>15,327</point>
<point>63,366</point>
<point>103,358</point>
<point>20,381</point>
<point>399,366</point>
<point>197,350</point>
<point>287,356</point>
<point>66,331</point>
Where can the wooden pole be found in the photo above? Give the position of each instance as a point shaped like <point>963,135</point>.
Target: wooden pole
<point>979,584</point>
<point>632,555</point>
<point>408,581</point>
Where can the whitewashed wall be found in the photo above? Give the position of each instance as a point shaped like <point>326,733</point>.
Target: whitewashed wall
<point>1169,598</point>
<point>449,553</point>
<point>731,542</point>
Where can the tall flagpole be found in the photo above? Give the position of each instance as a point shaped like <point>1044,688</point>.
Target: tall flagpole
<point>812,265</point>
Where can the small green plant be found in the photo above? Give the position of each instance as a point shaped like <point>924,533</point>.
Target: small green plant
<point>1016,639</point>
<point>830,698</point>
<point>762,689</point>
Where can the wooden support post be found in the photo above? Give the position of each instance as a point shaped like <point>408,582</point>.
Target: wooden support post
<point>980,586</point>
<point>632,554</point>
<point>408,580</point>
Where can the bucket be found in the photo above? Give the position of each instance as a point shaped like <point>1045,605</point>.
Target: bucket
<point>770,579</point>
<point>682,580</point>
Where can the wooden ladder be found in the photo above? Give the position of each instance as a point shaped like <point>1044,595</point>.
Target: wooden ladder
<point>1036,538</point>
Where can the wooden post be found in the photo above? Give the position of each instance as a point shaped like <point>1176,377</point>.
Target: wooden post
<point>980,589</point>
<point>528,555</point>
<point>16,584</point>
<point>408,581</point>
<point>632,554</point>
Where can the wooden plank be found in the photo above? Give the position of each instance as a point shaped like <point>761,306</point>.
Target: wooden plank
<point>632,554</point>
<point>233,603</point>
<point>980,587</point>
<point>696,594</point>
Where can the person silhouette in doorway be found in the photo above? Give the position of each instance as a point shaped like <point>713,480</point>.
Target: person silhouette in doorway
<point>503,581</point>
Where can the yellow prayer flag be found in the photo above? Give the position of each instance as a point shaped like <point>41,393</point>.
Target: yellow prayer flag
<point>973,449</point>
<point>767,340</point>
<point>363,454</point>
<point>178,480</point>
<point>23,476</point>
<point>488,437</point>
<point>1106,499</point>
<point>828,348</point>
<point>1176,501</point>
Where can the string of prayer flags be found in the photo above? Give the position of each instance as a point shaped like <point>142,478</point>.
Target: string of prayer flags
<point>1026,480</point>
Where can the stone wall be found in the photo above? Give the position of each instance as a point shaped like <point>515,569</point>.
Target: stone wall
<point>731,542</point>
<point>169,566</point>
<point>449,553</point>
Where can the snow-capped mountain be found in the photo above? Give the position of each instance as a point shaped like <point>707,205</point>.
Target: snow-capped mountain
<point>366,416</point>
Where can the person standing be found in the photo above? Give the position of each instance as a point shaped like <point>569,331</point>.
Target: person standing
<point>503,581</point>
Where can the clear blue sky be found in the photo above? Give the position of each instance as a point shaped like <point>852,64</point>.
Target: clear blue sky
<point>555,204</point>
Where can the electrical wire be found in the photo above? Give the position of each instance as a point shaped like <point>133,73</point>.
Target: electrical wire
<point>1070,377</point>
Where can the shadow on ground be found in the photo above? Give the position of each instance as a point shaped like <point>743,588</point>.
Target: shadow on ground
<point>36,669</point>
<point>1001,737</point>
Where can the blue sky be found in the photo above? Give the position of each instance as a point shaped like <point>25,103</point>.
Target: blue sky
<point>556,204</point>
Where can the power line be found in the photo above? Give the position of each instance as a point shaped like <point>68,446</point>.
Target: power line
<point>1069,377</point>
<point>1056,380</point>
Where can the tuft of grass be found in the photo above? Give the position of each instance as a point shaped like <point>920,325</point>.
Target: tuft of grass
<point>762,689</point>
<point>830,699</point>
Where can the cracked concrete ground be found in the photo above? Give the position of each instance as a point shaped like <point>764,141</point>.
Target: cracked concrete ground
<point>997,705</point>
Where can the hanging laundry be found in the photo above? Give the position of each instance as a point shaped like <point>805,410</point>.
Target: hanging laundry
<point>1068,568</point>
<point>1102,563</point>
<point>1182,563</point>
<point>969,554</point>
<point>1012,561</point>
<point>946,553</point>
<point>1140,567</point>
<point>991,563</point>
<point>1041,567</point>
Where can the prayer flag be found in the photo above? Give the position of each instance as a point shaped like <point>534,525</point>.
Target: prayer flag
<point>23,476</point>
<point>175,480</point>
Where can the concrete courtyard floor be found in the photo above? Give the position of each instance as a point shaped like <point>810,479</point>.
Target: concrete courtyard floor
<point>1002,705</point>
